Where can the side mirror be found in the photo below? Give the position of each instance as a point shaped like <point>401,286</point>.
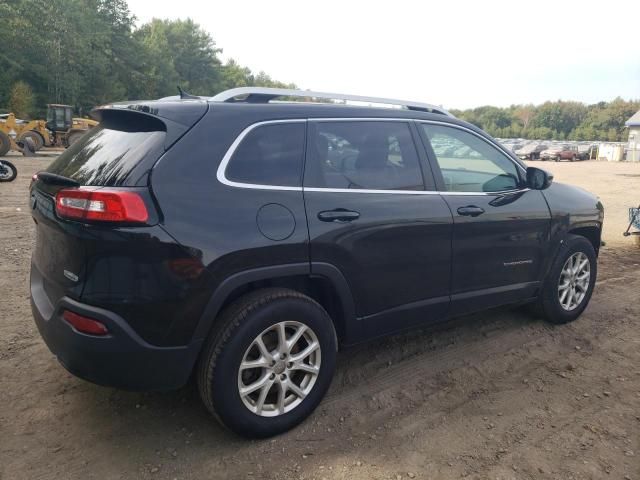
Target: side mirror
<point>538,179</point>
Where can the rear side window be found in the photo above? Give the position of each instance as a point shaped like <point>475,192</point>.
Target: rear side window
<point>108,154</point>
<point>374,155</point>
<point>270,154</point>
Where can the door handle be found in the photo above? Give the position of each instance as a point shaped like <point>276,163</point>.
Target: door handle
<point>340,215</point>
<point>470,211</point>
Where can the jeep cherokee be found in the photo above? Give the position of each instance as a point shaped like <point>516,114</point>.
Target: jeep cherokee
<point>244,241</point>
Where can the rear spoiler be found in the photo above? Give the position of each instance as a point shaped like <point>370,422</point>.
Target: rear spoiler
<point>174,117</point>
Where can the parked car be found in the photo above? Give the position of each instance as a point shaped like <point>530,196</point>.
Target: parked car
<point>531,151</point>
<point>585,152</point>
<point>244,243</point>
<point>568,152</point>
<point>551,152</point>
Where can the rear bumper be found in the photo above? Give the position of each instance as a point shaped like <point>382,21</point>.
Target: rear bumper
<point>120,359</point>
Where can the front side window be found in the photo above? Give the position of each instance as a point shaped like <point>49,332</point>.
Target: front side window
<point>468,163</point>
<point>374,155</point>
<point>270,154</point>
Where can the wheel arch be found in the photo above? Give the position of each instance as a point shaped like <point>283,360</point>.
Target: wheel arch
<point>592,233</point>
<point>322,282</point>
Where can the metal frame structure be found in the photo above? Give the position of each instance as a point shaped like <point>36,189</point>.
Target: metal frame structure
<point>264,95</point>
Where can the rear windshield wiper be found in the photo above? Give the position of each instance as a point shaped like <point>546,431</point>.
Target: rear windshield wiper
<point>53,179</point>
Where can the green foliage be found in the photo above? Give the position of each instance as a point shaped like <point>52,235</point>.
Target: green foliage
<point>89,52</point>
<point>21,100</point>
<point>555,120</point>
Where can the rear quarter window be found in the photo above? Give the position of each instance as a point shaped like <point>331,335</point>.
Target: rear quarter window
<point>270,154</point>
<point>108,154</point>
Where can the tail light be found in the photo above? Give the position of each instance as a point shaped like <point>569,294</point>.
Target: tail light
<point>85,324</point>
<point>101,205</point>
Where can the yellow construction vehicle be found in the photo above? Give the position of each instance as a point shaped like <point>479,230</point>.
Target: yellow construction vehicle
<point>14,131</point>
<point>60,129</point>
<point>66,129</point>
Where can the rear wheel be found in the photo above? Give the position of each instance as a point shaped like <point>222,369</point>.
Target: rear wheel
<point>268,362</point>
<point>5,143</point>
<point>73,137</point>
<point>36,138</point>
<point>569,285</point>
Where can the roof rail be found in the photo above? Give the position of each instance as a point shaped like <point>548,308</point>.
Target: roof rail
<point>264,95</point>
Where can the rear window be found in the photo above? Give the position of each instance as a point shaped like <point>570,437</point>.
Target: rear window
<point>269,155</point>
<point>109,154</point>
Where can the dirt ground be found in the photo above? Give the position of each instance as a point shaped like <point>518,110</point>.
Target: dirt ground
<point>500,395</point>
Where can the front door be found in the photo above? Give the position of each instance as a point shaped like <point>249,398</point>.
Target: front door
<point>373,214</point>
<point>501,228</point>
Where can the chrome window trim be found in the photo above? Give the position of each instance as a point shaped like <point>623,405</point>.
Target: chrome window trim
<point>369,190</point>
<point>221,172</point>
<point>361,119</point>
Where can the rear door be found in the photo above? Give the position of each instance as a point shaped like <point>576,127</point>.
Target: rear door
<point>501,228</point>
<point>373,214</point>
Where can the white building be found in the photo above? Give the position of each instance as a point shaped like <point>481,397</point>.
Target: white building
<point>633,152</point>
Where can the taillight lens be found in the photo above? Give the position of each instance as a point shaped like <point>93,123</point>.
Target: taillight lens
<point>85,324</point>
<point>101,205</point>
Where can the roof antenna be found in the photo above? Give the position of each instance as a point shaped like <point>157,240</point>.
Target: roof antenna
<point>186,96</point>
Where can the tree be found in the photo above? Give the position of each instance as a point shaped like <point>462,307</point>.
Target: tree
<point>560,116</point>
<point>21,100</point>
<point>89,52</point>
<point>182,53</point>
<point>525,114</point>
<point>234,75</point>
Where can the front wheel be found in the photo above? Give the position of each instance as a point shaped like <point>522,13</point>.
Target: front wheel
<point>268,362</point>
<point>570,282</point>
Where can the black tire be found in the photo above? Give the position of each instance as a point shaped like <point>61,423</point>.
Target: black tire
<point>5,143</point>
<point>241,323</point>
<point>73,137</point>
<point>10,173</point>
<point>36,138</point>
<point>549,303</point>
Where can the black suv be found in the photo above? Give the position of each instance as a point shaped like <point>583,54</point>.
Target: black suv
<point>244,241</point>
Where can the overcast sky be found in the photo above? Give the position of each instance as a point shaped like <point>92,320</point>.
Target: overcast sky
<point>458,54</point>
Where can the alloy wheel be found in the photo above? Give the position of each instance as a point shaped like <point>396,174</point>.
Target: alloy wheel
<point>279,369</point>
<point>574,281</point>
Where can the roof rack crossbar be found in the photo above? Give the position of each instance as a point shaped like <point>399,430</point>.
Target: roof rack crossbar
<point>264,95</point>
